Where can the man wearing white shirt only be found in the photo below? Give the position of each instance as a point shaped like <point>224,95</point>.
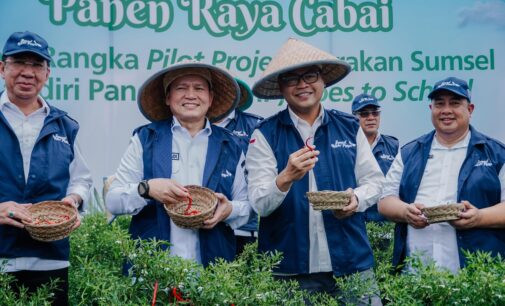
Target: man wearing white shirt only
<point>39,161</point>
<point>316,245</point>
<point>452,164</point>
<point>181,147</point>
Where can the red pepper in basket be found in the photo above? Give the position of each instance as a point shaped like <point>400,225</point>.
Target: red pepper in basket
<point>188,211</point>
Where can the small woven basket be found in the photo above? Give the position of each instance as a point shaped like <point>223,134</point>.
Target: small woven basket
<point>327,199</point>
<point>204,201</point>
<point>52,220</point>
<point>442,213</point>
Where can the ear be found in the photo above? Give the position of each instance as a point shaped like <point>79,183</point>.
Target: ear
<point>471,107</point>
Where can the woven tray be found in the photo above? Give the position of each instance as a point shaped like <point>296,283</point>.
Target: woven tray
<point>52,220</point>
<point>442,213</point>
<point>204,200</point>
<point>327,199</point>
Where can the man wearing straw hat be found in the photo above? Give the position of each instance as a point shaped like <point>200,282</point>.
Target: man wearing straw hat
<point>455,163</point>
<point>242,124</point>
<point>39,161</point>
<point>283,164</point>
<point>384,147</point>
<point>181,147</point>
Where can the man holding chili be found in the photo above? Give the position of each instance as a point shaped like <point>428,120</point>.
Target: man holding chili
<point>316,245</point>
<point>181,147</point>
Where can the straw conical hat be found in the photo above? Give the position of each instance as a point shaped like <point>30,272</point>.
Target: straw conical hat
<point>295,54</point>
<point>246,95</point>
<point>151,99</point>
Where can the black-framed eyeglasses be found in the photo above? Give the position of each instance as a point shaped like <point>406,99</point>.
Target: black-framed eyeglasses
<point>292,79</point>
<point>18,64</point>
<point>365,114</point>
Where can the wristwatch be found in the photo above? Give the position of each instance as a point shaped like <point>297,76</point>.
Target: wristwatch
<point>143,189</point>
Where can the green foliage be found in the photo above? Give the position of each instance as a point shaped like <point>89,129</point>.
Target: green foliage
<point>42,296</point>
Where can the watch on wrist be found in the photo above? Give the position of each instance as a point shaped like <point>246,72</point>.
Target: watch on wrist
<point>143,189</point>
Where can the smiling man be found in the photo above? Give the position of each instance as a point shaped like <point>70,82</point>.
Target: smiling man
<point>454,163</point>
<point>283,165</point>
<point>39,161</point>
<point>181,147</point>
<point>384,147</point>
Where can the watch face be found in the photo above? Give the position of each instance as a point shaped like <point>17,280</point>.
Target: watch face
<point>142,188</point>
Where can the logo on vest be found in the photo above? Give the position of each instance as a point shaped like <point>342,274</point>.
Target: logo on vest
<point>175,156</point>
<point>346,144</point>
<point>240,133</point>
<point>387,157</point>
<point>226,173</point>
<point>60,139</point>
<point>483,163</point>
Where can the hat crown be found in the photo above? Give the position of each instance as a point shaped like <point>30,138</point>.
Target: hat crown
<point>363,100</point>
<point>455,85</point>
<point>26,41</point>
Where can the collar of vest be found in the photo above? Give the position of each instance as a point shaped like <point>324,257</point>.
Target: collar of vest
<point>476,138</point>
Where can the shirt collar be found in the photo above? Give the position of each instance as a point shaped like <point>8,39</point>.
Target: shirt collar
<point>226,120</point>
<point>463,143</point>
<point>4,101</point>
<point>297,120</point>
<point>376,141</point>
<point>176,126</point>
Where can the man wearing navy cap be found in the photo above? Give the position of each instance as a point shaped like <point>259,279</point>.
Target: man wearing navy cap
<point>452,164</point>
<point>384,147</point>
<point>39,161</point>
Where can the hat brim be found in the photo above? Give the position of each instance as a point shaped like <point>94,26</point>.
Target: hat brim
<point>151,98</point>
<point>332,71</point>
<point>48,58</point>
<point>246,95</point>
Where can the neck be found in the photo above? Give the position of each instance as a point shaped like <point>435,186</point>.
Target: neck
<point>449,140</point>
<point>193,127</point>
<point>310,115</point>
<point>371,138</point>
<point>26,106</point>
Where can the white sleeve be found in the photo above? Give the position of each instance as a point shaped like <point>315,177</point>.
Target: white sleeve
<point>501,176</point>
<point>240,203</point>
<point>369,177</point>
<point>393,178</point>
<point>123,197</point>
<point>80,181</point>
<point>261,165</point>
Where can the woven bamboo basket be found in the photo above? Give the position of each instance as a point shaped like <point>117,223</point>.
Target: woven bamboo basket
<point>52,220</point>
<point>442,213</point>
<point>328,199</point>
<point>204,201</point>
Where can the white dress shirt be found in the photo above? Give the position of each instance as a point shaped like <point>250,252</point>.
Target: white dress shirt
<point>123,197</point>
<point>439,185</point>
<point>27,130</point>
<point>265,196</point>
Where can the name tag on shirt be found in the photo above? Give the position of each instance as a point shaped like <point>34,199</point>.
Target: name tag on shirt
<point>175,156</point>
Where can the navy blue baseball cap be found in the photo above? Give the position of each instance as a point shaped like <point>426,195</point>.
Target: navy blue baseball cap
<point>20,42</point>
<point>454,85</point>
<point>363,100</point>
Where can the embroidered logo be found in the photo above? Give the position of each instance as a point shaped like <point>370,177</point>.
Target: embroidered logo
<point>483,163</point>
<point>346,144</point>
<point>175,156</point>
<point>60,139</point>
<point>29,42</point>
<point>365,99</point>
<point>253,140</point>
<point>240,133</point>
<point>387,157</point>
<point>448,83</point>
<point>226,173</point>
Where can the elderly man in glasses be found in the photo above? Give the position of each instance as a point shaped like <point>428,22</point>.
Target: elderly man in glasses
<point>384,147</point>
<point>309,148</point>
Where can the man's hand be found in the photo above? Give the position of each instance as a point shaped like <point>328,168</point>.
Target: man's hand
<point>72,201</point>
<point>349,209</point>
<point>412,215</point>
<point>470,217</point>
<point>12,213</point>
<point>167,191</point>
<point>299,163</point>
<point>222,212</point>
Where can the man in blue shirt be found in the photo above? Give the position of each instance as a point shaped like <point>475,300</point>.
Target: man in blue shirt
<point>455,163</point>
<point>384,147</point>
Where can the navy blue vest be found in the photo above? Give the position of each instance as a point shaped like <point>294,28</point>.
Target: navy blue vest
<point>47,180</point>
<point>287,228</point>
<point>478,183</point>
<point>223,154</point>
<point>385,152</point>
<point>242,126</point>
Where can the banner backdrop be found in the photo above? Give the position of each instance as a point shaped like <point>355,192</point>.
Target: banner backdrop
<point>103,50</point>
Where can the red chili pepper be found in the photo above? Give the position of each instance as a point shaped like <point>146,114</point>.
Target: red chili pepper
<point>188,211</point>
<point>307,143</point>
<point>155,293</point>
<point>178,296</point>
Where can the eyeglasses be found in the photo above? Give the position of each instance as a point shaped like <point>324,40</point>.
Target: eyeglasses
<point>292,79</point>
<point>21,64</point>
<point>365,114</point>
